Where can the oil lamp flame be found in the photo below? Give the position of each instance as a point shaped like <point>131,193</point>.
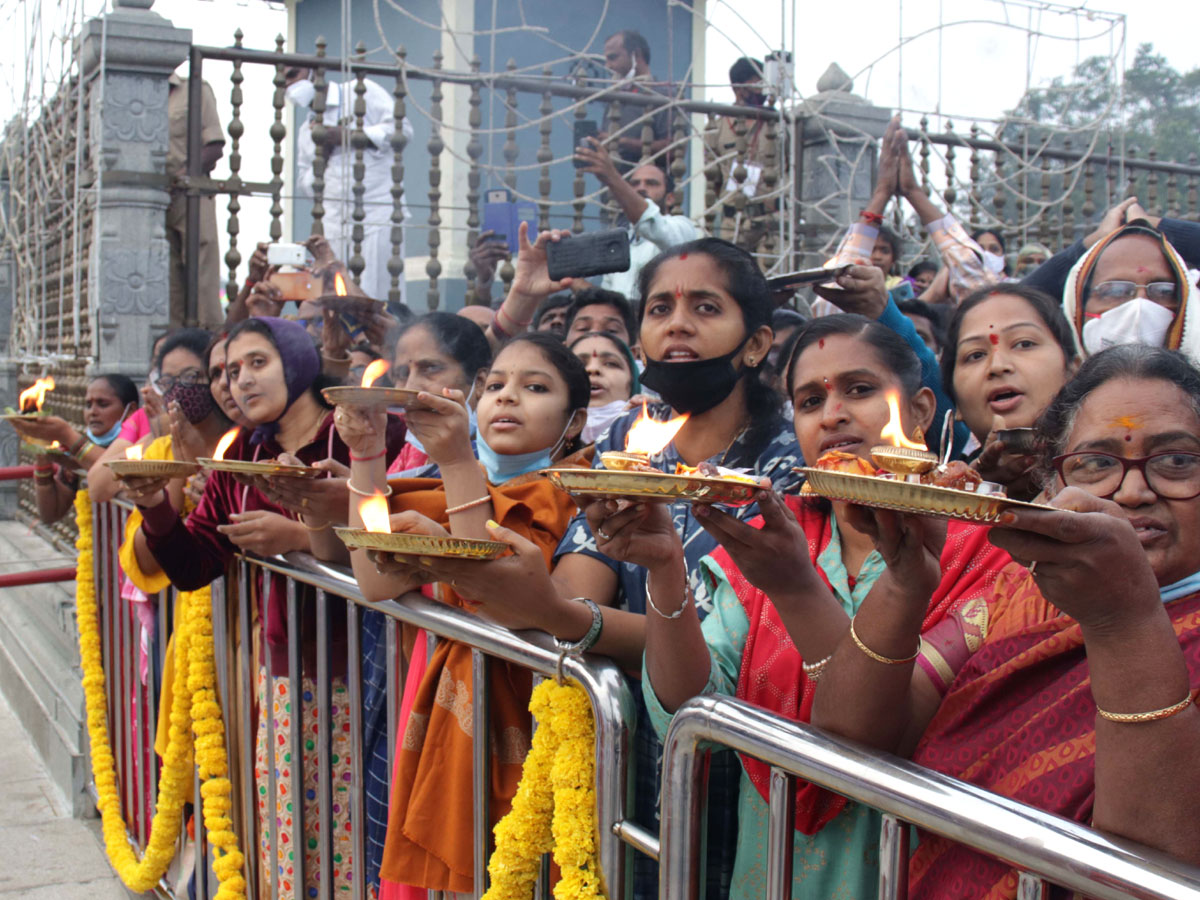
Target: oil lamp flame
<point>133,452</point>
<point>893,432</point>
<point>648,436</point>
<point>33,397</point>
<point>375,513</point>
<point>224,442</point>
<point>339,284</point>
<point>374,372</point>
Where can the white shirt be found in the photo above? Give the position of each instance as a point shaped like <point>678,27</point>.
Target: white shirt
<point>649,236</point>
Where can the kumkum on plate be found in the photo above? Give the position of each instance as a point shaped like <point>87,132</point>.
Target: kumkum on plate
<point>655,486</point>
<point>421,544</point>
<point>910,497</point>
<point>152,468</point>
<point>247,467</point>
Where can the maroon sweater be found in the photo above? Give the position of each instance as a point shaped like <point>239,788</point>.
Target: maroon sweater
<point>194,553</point>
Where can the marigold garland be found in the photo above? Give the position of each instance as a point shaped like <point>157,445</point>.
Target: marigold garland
<point>555,803</point>
<point>194,708</point>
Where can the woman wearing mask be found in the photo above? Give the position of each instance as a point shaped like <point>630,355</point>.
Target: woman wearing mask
<point>613,375</point>
<point>531,411</point>
<point>107,403</point>
<point>1009,350</point>
<point>1074,694</point>
<point>705,332</point>
<point>274,376</point>
<point>784,587</point>
<point>1132,286</point>
<point>435,352</point>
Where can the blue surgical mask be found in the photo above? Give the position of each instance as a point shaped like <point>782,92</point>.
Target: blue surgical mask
<point>103,440</point>
<point>1185,587</point>
<point>502,467</point>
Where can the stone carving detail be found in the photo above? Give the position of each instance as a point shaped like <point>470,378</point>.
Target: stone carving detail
<point>136,110</point>
<point>134,281</point>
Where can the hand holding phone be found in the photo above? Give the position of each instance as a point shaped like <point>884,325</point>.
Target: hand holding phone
<point>597,253</point>
<point>584,129</point>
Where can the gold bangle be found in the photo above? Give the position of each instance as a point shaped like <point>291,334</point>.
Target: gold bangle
<point>886,660</point>
<point>300,519</point>
<point>387,491</point>
<point>1153,716</point>
<point>470,504</point>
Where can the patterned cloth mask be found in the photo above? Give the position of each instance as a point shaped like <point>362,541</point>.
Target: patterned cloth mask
<point>195,400</point>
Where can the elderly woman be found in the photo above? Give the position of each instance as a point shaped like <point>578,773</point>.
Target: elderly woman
<point>1086,657</point>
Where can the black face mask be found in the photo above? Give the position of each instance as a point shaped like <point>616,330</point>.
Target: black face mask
<point>695,386</point>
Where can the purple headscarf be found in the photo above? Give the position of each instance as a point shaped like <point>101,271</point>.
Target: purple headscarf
<point>301,365</point>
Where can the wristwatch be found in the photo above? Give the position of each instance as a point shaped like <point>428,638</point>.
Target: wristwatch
<point>588,641</point>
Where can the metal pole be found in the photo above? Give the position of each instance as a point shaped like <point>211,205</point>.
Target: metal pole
<point>195,169</point>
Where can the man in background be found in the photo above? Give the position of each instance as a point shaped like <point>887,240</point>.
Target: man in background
<point>627,56</point>
<point>212,143</point>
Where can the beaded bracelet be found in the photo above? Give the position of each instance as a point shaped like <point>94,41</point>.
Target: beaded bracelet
<point>1152,716</point>
<point>886,660</point>
<point>470,504</point>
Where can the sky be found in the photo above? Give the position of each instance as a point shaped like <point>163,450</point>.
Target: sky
<point>978,62</point>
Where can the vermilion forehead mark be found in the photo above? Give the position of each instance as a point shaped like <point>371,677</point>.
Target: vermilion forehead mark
<point>1129,423</point>
<point>995,339</point>
<point>1129,437</point>
<point>821,346</point>
<point>827,384</point>
<point>683,255</point>
<point>678,292</point>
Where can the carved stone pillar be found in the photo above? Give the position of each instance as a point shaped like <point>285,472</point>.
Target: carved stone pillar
<point>838,135</point>
<point>135,51</point>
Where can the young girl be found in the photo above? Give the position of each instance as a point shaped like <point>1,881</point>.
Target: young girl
<point>614,379</point>
<point>783,589</point>
<point>1008,351</point>
<point>274,376</point>
<point>531,411</point>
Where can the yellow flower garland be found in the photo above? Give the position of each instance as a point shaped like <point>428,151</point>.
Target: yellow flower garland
<point>194,708</point>
<point>558,779</point>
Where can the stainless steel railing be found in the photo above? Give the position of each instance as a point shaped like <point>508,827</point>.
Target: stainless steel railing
<point>1044,847</point>
<point>132,714</point>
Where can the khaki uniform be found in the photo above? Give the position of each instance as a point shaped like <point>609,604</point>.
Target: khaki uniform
<point>209,312</point>
<point>750,230</point>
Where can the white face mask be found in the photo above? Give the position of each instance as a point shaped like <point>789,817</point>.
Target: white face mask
<point>1138,321</point>
<point>993,263</point>
<point>600,417</point>
<point>301,92</point>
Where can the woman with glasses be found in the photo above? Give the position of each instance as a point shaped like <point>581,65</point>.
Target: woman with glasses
<point>1133,286</point>
<point>1074,693</point>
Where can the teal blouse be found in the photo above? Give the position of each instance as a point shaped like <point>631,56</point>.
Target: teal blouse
<point>841,861</point>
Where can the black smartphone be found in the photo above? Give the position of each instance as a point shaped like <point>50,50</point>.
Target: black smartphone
<point>805,276</point>
<point>584,128</point>
<point>597,253</point>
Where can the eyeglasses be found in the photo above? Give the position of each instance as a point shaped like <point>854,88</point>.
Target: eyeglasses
<point>1172,475</point>
<point>1163,292</point>
<point>190,378</point>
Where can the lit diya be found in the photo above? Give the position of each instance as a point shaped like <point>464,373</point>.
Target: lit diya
<point>909,479</point>
<point>629,474</point>
<point>366,394</point>
<point>377,535</point>
<point>342,301</point>
<point>219,463</point>
<point>134,466</point>
<point>30,401</point>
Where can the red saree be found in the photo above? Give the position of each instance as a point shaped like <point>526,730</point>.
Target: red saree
<point>1020,721</point>
<point>771,675</point>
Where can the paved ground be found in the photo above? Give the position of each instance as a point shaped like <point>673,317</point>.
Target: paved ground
<point>44,853</point>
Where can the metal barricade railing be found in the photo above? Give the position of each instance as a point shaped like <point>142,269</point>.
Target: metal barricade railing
<point>132,712</point>
<point>1042,846</point>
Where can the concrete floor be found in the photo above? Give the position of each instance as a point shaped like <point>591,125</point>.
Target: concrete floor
<point>44,853</point>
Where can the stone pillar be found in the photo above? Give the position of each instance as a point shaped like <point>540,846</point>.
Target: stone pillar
<point>128,278</point>
<point>836,162</point>
<point>9,442</point>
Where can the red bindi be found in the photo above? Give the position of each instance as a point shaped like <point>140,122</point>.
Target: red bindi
<point>827,384</point>
<point>678,293</point>
<point>821,346</point>
<point>683,255</point>
<point>1129,437</point>
<point>994,339</point>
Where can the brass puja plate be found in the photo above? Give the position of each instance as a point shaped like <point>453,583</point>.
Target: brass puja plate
<point>22,417</point>
<point>652,486</point>
<point>910,497</point>
<point>370,396</point>
<point>152,468</point>
<point>245,467</point>
<point>421,544</point>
